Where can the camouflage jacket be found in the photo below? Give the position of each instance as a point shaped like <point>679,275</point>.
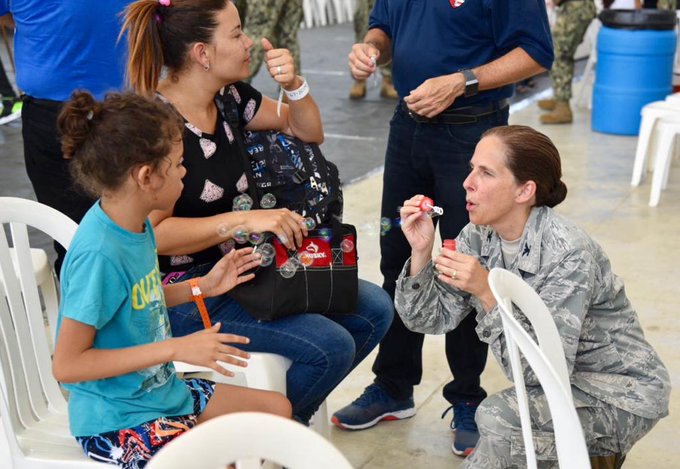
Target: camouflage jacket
<point>607,354</point>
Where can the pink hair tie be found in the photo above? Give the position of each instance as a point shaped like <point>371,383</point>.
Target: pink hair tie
<point>165,3</point>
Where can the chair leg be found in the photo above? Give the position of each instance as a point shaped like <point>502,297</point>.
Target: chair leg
<point>639,165</point>
<point>661,163</point>
<point>613,461</point>
<point>320,421</point>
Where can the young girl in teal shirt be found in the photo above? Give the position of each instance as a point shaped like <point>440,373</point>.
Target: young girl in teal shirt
<point>114,350</point>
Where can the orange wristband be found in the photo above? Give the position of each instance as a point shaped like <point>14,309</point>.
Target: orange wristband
<point>197,296</point>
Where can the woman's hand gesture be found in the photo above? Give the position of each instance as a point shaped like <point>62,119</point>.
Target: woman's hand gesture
<point>280,64</point>
<point>207,347</point>
<point>417,225</point>
<point>287,225</point>
<point>227,272</point>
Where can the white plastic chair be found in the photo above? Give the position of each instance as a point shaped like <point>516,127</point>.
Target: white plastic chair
<point>652,113</point>
<point>32,409</point>
<point>547,361</point>
<point>249,436</point>
<point>667,131</point>
<point>264,371</point>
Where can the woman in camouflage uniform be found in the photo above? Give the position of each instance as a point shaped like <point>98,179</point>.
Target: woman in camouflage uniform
<point>620,387</point>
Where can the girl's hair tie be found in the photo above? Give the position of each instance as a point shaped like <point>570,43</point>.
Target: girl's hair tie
<point>165,3</point>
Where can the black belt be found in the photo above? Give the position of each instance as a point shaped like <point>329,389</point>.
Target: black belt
<point>460,115</point>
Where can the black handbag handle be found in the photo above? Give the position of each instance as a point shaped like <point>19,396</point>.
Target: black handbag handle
<point>230,116</point>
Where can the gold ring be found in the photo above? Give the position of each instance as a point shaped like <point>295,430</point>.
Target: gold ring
<point>453,274</point>
<point>278,70</point>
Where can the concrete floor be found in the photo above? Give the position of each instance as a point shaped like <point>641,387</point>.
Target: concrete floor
<point>642,243</point>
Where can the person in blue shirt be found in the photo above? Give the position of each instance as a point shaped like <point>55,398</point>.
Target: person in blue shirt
<point>60,47</point>
<point>114,349</point>
<point>454,64</point>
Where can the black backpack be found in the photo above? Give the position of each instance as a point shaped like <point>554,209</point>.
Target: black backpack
<point>295,172</point>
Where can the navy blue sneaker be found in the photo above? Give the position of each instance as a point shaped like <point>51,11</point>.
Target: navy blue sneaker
<point>464,427</point>
<point>370,408</point>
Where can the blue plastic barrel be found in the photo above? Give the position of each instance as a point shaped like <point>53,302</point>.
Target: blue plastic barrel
<point>635,53</point>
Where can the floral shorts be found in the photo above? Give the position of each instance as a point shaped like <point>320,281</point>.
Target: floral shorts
<point>133,447</point>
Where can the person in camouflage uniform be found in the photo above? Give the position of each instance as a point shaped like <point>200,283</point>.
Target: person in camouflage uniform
<point>666,4</point>
<point>276,20</point>
<point>620,386</point>
<point>573,19</point>
<point>361,13</point>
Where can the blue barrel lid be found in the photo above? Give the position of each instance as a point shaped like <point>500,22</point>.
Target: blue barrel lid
<point>658,20</point>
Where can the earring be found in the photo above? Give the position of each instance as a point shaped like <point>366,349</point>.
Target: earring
<point>206,66</point>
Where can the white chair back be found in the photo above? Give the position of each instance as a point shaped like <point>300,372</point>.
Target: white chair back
<point>32,408</point>
<point>547,361</point>
<point>249,436</point>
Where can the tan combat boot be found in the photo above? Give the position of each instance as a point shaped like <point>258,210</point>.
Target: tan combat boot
<point>387,89</point>
<point>358,90</point>
<point>547,104</point>
<point>615,461</point>
<point>560,115</point>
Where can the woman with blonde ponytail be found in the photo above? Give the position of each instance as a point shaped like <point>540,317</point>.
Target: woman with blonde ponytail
<point>193,55</point>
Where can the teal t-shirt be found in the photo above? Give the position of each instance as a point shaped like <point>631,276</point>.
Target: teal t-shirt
<point>110,280</point>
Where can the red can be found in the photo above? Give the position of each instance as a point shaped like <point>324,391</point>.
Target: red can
<point>450,244</point>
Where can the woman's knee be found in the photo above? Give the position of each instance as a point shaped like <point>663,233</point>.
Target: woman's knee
<point>495,415</point>
<point>376,306</point>
<point>325,345</point>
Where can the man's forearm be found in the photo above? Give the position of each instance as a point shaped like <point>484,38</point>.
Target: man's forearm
<point>381,41</point>
<point>514,66</point>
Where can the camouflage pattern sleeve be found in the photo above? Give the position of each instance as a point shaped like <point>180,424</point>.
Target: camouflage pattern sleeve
<point>566,290</point>
<point>427,305</point>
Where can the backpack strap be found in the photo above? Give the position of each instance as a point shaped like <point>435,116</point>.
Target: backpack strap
<point>226,105</point>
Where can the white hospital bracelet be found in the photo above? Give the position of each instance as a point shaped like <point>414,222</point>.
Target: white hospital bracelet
<point>298,94</point>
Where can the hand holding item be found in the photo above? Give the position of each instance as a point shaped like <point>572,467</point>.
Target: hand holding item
<point>464,273</point>
<point>363,60</point>
<point>417,225</point>
<point>286,224</point>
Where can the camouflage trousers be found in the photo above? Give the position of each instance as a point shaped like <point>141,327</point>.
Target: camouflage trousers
<point>361,13</point>
<point>667,4</point>
<point>278,21</point>
<point>607,429</point>
<point>572,22</point>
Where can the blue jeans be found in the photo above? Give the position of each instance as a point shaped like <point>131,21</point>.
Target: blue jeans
<point>323,348</point>
<point>429,159</point>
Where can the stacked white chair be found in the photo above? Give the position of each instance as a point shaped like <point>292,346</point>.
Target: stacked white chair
<point>323,12</point>
<point>547,361</point>
<point>659,125</point>
<point>245,438</point>
<point>33,411</point>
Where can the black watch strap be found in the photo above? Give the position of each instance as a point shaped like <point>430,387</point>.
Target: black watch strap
<point>471,82</point>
